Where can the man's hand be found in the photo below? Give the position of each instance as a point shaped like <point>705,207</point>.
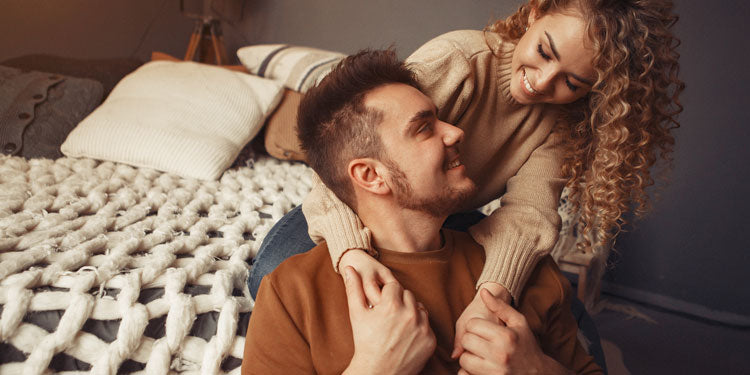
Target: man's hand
<point>477,309</point>
<point>392,337</point>
<point>493,348</point>
<point>374,275</point>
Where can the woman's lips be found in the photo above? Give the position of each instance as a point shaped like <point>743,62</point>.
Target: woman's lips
<point>528,90</point>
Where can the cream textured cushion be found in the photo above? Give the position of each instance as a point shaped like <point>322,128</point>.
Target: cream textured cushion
<point>186,118</point>
<point>299,68</point>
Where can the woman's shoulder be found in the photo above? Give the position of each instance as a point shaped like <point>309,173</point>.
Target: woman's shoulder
<point>464,43</point>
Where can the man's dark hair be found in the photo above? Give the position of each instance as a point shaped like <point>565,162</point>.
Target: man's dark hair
<point>334,125</point>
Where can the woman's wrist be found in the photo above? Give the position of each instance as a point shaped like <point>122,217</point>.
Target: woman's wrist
<point>496,289</point>
<point>348,257</point>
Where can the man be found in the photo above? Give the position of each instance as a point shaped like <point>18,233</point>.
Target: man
<point>375,140</point>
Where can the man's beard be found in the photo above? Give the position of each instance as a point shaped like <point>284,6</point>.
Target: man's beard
<point>447,202</point>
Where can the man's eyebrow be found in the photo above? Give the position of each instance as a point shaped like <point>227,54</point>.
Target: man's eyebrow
<point>557,55</point>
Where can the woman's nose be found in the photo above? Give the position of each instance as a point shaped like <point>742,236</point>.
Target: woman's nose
<point>545,79</point>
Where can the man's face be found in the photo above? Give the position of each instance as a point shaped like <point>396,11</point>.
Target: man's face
<point>425,171</point>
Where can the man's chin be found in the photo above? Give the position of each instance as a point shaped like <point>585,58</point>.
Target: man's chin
<point>464,197</point>
<point>449,202</point>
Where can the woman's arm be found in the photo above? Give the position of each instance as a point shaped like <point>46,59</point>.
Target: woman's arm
<point>331,220</point>
<point>525,228</point>
<point>349,241</point>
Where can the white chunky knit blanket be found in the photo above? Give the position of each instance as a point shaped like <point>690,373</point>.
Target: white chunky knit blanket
<point>106,268</point>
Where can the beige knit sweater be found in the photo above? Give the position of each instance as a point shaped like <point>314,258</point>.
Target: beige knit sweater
<point>509,149</point>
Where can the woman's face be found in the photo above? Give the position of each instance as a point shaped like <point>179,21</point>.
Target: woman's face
<point>552,61</point>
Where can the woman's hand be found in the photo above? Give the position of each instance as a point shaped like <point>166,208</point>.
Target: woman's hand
<point>374,275</point>
<point>508,347</point>
<point>477,309</point>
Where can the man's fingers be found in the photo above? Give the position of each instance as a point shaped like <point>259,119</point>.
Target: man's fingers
<point>484,328</point>
<point>502,310</point>
<point>475,345</point>
<point>385,275</point>
<point>471,363</point>
<point>409,300</point>
<point>355,296</point>
<point>372,291</point>
<point>457,347</point>
<point>392,291</point>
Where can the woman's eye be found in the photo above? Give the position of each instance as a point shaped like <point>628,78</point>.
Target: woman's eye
<point>541,52</point>
<point>570,85</point>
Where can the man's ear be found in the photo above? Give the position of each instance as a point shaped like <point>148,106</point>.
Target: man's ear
<point>367,174</point>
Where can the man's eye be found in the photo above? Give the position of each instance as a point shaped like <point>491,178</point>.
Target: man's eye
<point>541,52</point>
<point>424,128</point>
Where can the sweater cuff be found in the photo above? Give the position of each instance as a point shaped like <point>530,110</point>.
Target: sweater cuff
<point>511,264</point>
<point>345,232</point>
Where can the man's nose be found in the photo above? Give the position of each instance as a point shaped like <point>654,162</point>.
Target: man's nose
<point>452,135</point>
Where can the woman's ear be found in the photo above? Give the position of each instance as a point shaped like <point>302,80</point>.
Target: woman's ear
<point>532,17</point>
<point>366,173</point>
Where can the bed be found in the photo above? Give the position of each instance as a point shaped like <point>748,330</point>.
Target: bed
<point>119,259</point>
<point>110,267</point>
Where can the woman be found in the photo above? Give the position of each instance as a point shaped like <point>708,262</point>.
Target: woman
<point>576,92</point>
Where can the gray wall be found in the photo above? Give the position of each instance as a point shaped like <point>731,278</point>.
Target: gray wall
<point>687,254</point>
<point>691,247</point>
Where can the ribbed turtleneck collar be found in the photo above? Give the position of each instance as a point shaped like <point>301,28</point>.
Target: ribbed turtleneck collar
<point>503,51</point>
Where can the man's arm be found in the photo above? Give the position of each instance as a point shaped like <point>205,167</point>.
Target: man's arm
<point>274,344</point>
<point>391,337</point>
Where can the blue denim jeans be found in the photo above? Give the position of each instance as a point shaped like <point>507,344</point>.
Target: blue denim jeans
<point>289,237</point>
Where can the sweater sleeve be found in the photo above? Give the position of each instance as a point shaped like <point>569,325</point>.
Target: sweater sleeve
<point>445,75</point>
<point>331,220</point>
<point>525,227</point>
<point>274,343</point>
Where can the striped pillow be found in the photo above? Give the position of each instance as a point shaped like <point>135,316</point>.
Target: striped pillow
<point>299,68</point>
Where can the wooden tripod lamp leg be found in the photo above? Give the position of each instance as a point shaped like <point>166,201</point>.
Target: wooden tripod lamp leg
<point>218,43</point>
<point>195,41</point>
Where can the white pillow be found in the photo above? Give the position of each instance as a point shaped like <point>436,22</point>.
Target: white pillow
<point>299,68</point>
<point>186,118</point>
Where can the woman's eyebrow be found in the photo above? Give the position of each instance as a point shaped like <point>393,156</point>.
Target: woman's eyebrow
<point>552,45</point>
<point>557,55</point>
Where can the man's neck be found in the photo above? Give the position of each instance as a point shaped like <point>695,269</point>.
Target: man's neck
<point>399,229</point>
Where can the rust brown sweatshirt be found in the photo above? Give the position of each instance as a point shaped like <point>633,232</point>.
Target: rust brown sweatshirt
<point>300,323</point>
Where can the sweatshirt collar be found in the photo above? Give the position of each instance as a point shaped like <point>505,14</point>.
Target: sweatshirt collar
<point>442,254</point>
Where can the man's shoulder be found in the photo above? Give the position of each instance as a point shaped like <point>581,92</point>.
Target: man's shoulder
<point>547,283</point>
<point>298,271</point>
<point>462,240</point>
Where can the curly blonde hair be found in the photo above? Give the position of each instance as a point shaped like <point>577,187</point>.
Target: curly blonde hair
<point>623,126</point>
